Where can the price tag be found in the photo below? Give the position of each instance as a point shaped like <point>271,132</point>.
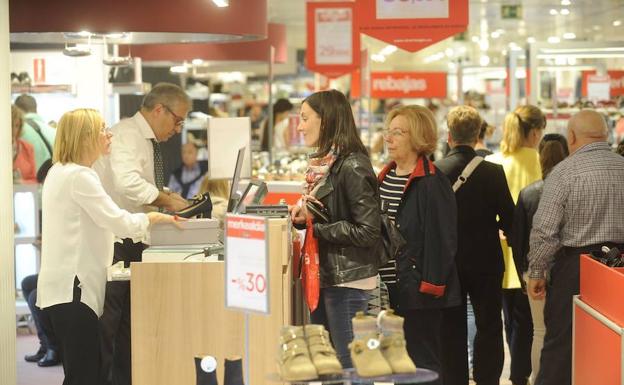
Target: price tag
<point>246,263</point>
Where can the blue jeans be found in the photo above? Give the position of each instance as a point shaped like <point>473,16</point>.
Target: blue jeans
<point>337,306</point>
<point>41,319</point>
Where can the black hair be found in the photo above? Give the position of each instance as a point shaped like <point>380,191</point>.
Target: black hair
<point>337,124</point>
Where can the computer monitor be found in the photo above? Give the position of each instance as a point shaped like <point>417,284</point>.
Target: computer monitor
<point>234,194</point>
<point>253,195</point>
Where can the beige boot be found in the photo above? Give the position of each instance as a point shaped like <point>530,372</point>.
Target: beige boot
<point>365,348</point>
<point>393,343</point>
<point>294,359</point>
<point>322,353</point>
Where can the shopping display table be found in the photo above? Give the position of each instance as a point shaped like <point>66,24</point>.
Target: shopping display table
<point>598,326</point>
<point>422,376</point>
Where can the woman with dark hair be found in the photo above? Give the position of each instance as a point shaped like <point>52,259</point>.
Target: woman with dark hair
<point>341,180</point>
<point>552,149</point>
<point>281,135</point>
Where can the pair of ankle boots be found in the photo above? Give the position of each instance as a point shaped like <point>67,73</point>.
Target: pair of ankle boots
<point>306,353</point>
<point>378,347</point>
<point>206,371</point>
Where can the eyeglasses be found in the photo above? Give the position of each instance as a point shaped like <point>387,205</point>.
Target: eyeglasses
<point>179,121</point>
<point>396,133</point>
<point>105,130</point>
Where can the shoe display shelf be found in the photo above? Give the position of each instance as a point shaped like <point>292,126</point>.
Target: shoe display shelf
<point>349,376</point>
<point>598,325</point>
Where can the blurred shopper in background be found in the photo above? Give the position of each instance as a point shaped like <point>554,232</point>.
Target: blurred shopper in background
<point>36,131</point>
<point>485,133</point>
<point>484,207</point>
<point>552,149</point>
<point>522,131</point>
<point>186,179</point>
<point>281,132</point>
<point>419,199</point>
<point>24,168</point>
<point>580,211</point>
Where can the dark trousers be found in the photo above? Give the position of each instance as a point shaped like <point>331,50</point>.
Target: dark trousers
<point>556,359</point>
<point>337,306</point>
<point>115,321</point>
<point>76,328</point>
<point>40,318</point>
<point>422,334</point>
<point>486,296</point>
<point>519,333</point>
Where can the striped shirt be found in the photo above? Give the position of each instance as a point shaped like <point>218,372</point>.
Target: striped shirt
<point>391,193</point>
<point>582,205</point>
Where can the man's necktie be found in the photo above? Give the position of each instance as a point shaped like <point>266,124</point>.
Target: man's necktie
<point>159,169</point>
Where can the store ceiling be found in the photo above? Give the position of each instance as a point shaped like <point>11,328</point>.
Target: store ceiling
<point>488,34</point>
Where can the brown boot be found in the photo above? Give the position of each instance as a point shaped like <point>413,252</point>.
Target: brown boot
<point>294,359</point>
<point>322,353</point>
<point>365,348</point>
<point>393,343</point>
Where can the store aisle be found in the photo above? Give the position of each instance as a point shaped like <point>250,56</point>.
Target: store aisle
<point>29,373</point>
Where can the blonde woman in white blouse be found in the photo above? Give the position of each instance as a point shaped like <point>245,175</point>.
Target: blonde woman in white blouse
<point>79,224</point>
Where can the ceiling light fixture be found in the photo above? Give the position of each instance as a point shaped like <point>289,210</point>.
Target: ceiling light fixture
<point>617,23</point>
<point>484,60</point>
<point>554,12</point>
<point>566,2</point>
<point>530,39</point>
<point>554,40</point>
<point>221,3</point>
<point>79,50</point>
<point>569,35</point>
<point>564,11</point>
<point>197,62</point>
<point>179,69</point>
<point>388,50</point>
<point>378,58</point>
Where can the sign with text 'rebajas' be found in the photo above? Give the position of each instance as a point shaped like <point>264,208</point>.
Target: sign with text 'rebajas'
<point>408,85</point>
<point>412,24</point>
<point>246,263</point>
<point>333,38</point>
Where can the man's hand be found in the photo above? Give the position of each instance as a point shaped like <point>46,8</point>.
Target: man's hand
<point>175,203</point>
<point>537,288</point>
<point>298,214</point>
<point>156,217</point>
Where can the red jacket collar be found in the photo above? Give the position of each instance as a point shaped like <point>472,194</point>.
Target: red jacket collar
<point>423,167</point>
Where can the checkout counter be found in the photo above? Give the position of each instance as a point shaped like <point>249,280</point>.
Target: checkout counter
<point>178,312</point>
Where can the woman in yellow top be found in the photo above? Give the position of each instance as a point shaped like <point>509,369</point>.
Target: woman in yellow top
<point>522,132</point>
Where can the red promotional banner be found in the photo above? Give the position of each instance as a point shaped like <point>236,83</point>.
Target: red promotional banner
<point>616,79</point>
<point>408,85</point>
<point>412,24</point>
<point>333,38</point>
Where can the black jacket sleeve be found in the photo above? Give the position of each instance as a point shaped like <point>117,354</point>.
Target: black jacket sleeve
<point>505,203</point>
<point>440,216</point>
<point>520,234</point>
<point>358,183</point>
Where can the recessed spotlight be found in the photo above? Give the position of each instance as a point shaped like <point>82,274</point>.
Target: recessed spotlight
<point>531,39</point>
<point>554,12</point>
<point>569,35</point>
<point>221,3</point>
<point>554,40</point>
<point>617,23</point>
<point>484,60</point>
<point>197,62</point>
<point>564,11</point>
<point>566,2</point>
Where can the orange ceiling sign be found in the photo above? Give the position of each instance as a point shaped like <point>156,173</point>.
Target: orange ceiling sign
<point>333,40</point>
<point>408,85</point>
<point>412,24</point>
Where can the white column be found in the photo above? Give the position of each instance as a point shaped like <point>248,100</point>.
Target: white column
<point>7,284</point>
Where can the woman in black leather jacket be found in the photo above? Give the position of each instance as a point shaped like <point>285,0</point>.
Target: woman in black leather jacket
<point>419,199</point>
<point>341,178</point>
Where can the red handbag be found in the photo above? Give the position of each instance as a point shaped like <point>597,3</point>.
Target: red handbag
<point>310,277</point>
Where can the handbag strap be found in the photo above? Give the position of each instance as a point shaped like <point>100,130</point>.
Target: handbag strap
<point>470,167</point>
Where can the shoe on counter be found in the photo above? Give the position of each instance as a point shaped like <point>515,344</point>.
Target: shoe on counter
<point>233,374</point>
<point>37,356</point>
<point>51,358</point>
<point>294,358</point>
<point>321,351</point>
<point>200,206</point>
<point>366,355</point>
<point>393,346</point>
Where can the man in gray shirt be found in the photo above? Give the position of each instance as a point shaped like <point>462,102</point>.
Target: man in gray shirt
<point>580,211</point>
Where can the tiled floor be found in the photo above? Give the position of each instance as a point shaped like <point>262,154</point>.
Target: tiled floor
<point>30,374</point>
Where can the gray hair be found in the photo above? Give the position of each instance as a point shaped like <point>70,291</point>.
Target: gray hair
<point>167,94</point>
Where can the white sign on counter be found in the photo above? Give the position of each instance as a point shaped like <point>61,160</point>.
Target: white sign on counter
<point>246,263</point>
